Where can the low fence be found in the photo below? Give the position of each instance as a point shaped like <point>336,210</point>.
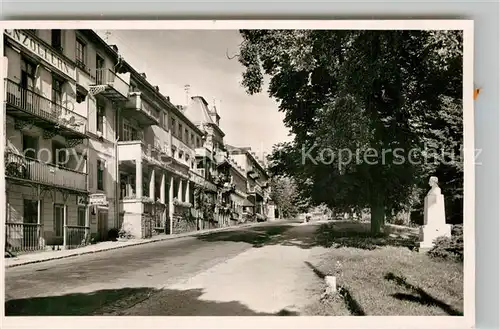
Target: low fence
<point>23,237</point>
<point>77,236</point>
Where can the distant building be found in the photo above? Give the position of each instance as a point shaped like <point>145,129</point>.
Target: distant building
<point>258,189</point>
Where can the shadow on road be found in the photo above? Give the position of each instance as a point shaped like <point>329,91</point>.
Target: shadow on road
<point>73,304</point>
<point>145,301</point>
<point>335,234</point>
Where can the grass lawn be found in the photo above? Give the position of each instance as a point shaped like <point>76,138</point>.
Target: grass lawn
<point>382,276</point>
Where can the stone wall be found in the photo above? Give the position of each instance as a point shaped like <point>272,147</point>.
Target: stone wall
<point>146,226</point>
<point>182,224</point>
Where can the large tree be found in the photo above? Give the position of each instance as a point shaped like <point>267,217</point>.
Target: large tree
<point>285,194</point>
<point>358,103</point>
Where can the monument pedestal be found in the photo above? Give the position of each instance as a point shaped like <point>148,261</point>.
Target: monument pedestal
<point>428,234</point>
<point>434,220</point>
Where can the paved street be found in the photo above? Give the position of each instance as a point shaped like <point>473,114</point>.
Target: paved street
<point>246,271</point>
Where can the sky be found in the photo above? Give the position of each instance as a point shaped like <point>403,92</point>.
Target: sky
<point>173,58</point>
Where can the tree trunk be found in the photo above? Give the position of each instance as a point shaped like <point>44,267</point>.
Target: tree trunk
<point>377,218</point>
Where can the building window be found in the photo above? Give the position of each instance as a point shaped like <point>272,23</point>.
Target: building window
<point>186,136</point>
<point>179,131</point>
<point>60,154</point>
<point>172,126</point>
<point>81,216</point>
<point>80,52</point>
<point>100,113</point>
<point>100,175</point>
<point>57,40</point>
<point>133,87</point>
<point>57,86</point>
<point>27,75</point>
<point>30,146</point>
<point>129,132</point>
<point>80,97</point>
<point>30,215</point>
<point>99,65</point>
<point>192,141</point>
<point>165,120</point>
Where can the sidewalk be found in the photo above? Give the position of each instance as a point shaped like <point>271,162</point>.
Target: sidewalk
<point>44,256</point>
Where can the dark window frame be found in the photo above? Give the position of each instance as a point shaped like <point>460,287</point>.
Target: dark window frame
<point>100,174</point>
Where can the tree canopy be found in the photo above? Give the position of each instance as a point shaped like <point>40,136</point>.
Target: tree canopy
<point>373,113</point>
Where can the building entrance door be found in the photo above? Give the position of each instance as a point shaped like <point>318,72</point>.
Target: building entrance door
<point>102,225</point>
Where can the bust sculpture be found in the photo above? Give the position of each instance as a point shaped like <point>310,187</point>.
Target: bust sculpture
<point>435,190</point>
<point>434,217</point>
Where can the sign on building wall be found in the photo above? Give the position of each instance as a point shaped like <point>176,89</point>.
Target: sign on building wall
<point>42,51</point>
<point>98,199</point>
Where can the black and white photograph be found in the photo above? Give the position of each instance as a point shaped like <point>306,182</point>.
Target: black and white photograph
<point>226,170</point>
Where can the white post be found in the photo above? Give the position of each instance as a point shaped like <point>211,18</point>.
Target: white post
<point>138,178</point>
<point>171,202</point>
<point>162,196</point>
<point>65,223</point>
<point>152,185</point>
<point>179,190</point>
<point>39,217</point>
<point>187,192</point>
<point>162,188</point>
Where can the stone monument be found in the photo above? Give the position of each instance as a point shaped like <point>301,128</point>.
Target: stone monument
<point>434,217</point>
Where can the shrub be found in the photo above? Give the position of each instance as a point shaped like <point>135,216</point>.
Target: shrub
<point>113,234</point>
<point>450,248</point>
<point>125,234</point>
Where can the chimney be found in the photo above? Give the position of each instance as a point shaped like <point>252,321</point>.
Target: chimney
<point>157,88</point>
<point>187,90</point>
<point>143,75</point>
<point>114,47</point>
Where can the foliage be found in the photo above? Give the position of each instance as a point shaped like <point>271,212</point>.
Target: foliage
<point>284,193</point>
<point>113,234</point>
<point>351,96</point>
<point>204,201</point>
<point>125,234</point>
<point>182,204</point>
<point>449,248</point>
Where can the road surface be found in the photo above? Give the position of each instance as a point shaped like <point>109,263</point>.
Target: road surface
<point>259,270</point>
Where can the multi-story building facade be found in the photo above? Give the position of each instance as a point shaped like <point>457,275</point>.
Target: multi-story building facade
<point>100,78</point>
<point>47,142</point>
<point>239,196</point>
<point>93,146</point>
<point>258,189</point>
<point>212,158</point>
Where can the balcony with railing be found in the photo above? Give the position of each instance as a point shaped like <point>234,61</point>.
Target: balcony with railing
<point>139,109</point>
<point>203,152</point>
<point>110,84</point>
<point>131,151</point>
<point>32,108</point>
<point>21,168</point>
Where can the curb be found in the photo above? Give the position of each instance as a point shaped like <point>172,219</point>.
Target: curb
<point>131,245</point>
